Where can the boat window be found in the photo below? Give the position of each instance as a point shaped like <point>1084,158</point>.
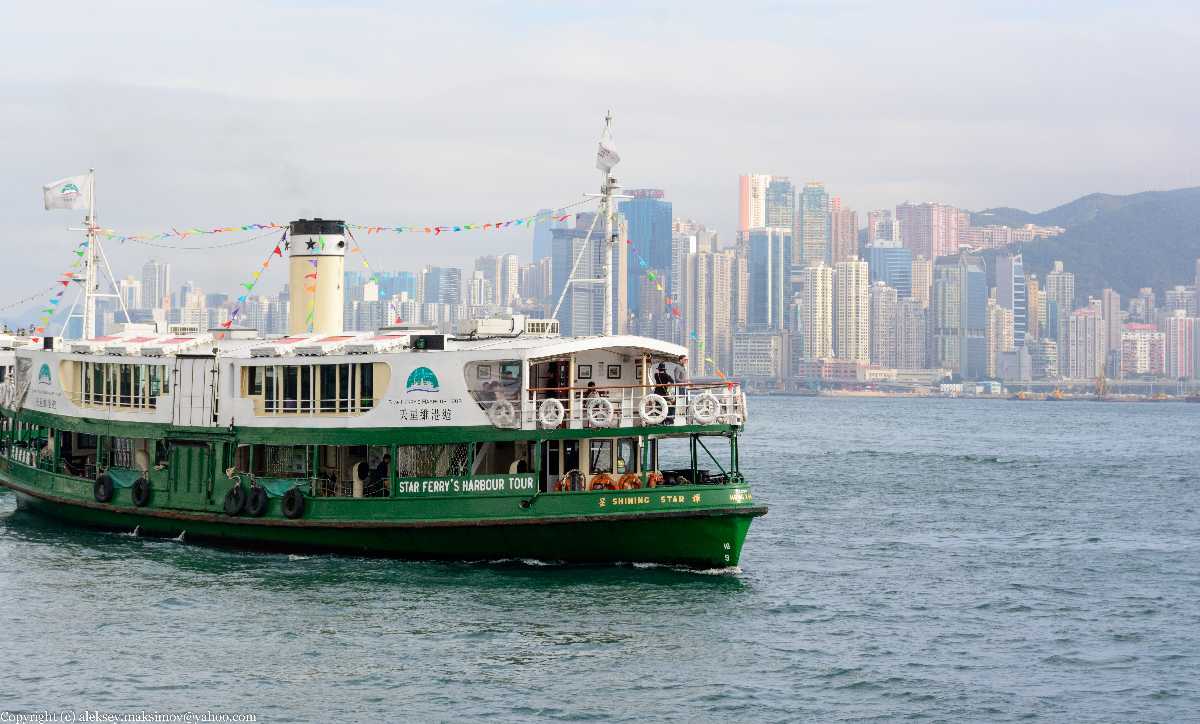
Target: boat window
<point>279,461</point>
<point>627,455</point>
<point>502,458</point>
<point>116,385</point>
<point>600,459</point>
<point>353,471</point>
<point>432,461</point>
<point>334,389</point>
<point>492,380</point>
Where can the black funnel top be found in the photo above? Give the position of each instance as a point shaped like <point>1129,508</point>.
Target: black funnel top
<point>318,226</point>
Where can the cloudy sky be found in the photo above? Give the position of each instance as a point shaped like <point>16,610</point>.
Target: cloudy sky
<point>216,114</point>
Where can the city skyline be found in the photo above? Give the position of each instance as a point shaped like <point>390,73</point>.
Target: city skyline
<point>853,94</point>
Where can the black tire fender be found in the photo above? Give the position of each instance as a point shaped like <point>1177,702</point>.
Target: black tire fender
<point>256,502</point>
<point>103,489</point>
<point>140,492</point>
<point>235,500</point>
<point>293,503</point>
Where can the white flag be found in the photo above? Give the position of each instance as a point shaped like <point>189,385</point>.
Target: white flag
<point>607,156</point>
<point>68,193</point>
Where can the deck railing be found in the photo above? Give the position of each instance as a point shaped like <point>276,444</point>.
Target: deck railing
<point>576,408</point>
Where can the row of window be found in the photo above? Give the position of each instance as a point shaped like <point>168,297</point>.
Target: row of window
<point>346,389</point>
<point>116,385</point>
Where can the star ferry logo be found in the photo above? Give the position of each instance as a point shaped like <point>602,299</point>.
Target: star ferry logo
<point>68,190</point>
<point>422,379</point>
<point>44,375</point>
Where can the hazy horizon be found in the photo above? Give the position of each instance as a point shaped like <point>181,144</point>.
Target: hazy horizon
<point>215,115</point>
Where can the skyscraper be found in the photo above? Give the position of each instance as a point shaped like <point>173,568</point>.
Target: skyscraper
<point>1060,300</point>
<point>999,334</point>
<point>922,280</point>
<point>811,245</point>
<point>752,201</point>
<point>892,264</point>
<point>843,231</point>
<point>770,277</point>
<point>1085,338</point>
<point>649,218</point>
<point>814,328</point>
<point>156,284</point>
<point>1111,309</point>
<point>930,230</point>
<point>543,233</point>
<point>959,315</point>
<point>851,310</point>
<point>1035,307</point>
<point>780,203</point>
<point>706,279</point>
<point>1180,331</point>
<point>912,335</point>
<point>884,302</point>
<point>1011,294</point>
<point>508,286</point>
<point>882,227</point>
<point>489,269</point>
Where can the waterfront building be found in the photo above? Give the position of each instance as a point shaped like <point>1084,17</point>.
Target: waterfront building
<point>706,290</point>
<point>1087,349</point>
<point>1181,332</point>
<point>811,245</point>
<point>851,310</point>
<point>1011,294</point>
<point>959,315</point>
<point>770,277</point>
<point>911,335</point>
<point>649,219</point>
<point>1043,354</point>
<point>884,302</point>
<point>922,280</point>
<point>1000,340</point>
<point>752,202</point>
<point>1143,351</point>
<point>740,302</point>
<point>1110,308</point>
<point>758,355</point>
<point>814,328</point>
<point>892,264</point>
<point>1060,300</point>
<point>931,230</point>
<point>843,232</point>
<point>1035,307</point>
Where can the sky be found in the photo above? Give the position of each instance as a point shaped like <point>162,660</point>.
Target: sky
<point>230,113</point>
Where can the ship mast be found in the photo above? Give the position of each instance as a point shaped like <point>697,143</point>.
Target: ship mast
<point>93,257</point>
<point>609,212</point>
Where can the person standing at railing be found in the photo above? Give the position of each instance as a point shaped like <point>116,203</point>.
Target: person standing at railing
<point>662,387</point>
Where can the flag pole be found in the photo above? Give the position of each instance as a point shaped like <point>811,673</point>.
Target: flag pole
<point>89,299</point>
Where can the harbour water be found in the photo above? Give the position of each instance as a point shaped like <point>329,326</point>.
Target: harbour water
<point>931,559</point>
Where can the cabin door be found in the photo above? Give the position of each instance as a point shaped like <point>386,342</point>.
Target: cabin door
<point>190,471</point>
<point>195,391</point>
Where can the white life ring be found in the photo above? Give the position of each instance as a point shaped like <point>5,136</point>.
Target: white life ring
<point>502,413</point>
<point>705,408</point>
<point>600,411</point>
<point>551,412</point>
<point>653,408</point>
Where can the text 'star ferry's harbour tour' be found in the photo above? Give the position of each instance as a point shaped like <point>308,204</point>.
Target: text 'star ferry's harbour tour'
<point>486,444</point>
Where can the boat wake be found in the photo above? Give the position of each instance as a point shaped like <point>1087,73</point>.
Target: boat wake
<point>179,538</point>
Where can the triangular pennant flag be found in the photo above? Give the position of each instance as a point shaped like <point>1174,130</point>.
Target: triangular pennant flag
<point>278,252</point>
<point>242,298</point>
<point>248,285</point>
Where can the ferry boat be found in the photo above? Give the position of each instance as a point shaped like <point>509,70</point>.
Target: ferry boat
<point>492,443</point>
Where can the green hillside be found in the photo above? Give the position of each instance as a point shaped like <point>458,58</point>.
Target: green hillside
<point>1150,239</point>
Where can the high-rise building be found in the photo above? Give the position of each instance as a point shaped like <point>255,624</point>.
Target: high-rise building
<point>1111,309</point>
<point>682,246</point>
<point>770,277</point>
<point>752,201</point>
<point>999,334</point>
<point>649,219</point>
<point>705,300</point>
<point>922,280</point>
<point>479,290</point>
<point>780,203</point>
<point>1035,304</point>
<point>1181,298</point>
<point>959,315</point>
<point>811,244</point>
<point>489,269</point>
<point>1088,350</point>
<point>851,311</point>
<point>892,264</point>
<point>882,227</point>
<point>543,233</point>
<point>1011,294</point>
<point>156,284</point>
<point>814,323</point>
<point>1043,355</point>
<point>931,230</point>
<point>884,302</point>
<point>1181,332</point>
<point>1060,299</point>
<point>740,303</point>
<point>843,232</point>
<point>1143,351</point>
<point>131,292</point>
<point>582,310</point>
<point>758,355</point>
<point>912,335</point>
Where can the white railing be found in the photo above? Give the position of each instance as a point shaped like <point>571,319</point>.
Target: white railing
<point>577,408</point>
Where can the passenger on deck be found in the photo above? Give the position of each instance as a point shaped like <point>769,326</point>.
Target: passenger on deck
<point>379,476</point>
<point>662,386</point>
<point>590,391</point>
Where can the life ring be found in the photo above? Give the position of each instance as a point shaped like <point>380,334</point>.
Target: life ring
<point>256,502</point>
<point>103,489</point>
<point>602,481</point>
<point>654,479</point>
<point>600,411</point>
<point>653,408</point>
<point>502,413</point>
<point>630,481</point>
<point>705,408</point>
<point>235,500</point>
<point>293,503</point>
<point>551,412</point>
<point>140,492</point>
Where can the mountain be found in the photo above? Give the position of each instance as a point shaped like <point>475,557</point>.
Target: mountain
<point>1150,239</point>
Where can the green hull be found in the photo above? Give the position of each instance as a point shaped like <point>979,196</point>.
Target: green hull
<point>572,528</point>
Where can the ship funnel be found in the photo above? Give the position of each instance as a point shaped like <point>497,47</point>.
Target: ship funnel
<point>317,255</point>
